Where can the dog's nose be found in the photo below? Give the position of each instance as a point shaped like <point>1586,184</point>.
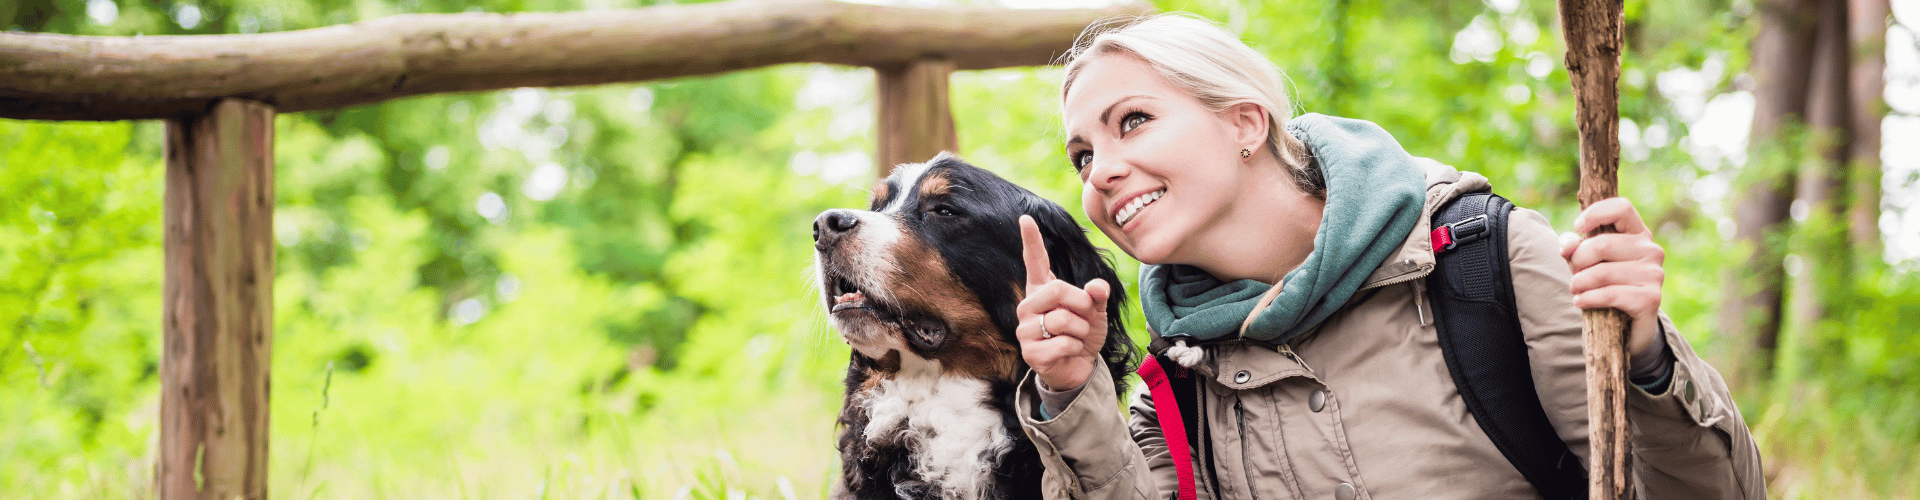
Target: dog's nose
<point>830,226</point>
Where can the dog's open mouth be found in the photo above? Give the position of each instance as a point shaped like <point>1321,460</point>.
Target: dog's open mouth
<point>850,306</point>
<point>846,296</point>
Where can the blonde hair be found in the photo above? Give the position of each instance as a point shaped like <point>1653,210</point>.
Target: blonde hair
<point>1210,63</point>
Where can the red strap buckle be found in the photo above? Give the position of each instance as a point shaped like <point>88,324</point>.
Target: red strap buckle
<point>1442,238</point>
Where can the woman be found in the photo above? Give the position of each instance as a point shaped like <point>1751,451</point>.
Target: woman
<point>1333,385</point>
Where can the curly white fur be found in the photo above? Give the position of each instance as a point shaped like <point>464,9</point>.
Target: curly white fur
<point>958,436</point>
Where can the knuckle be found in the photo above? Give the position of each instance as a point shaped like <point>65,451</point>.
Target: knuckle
<point>1601,245</point>
<point>1582,282</point>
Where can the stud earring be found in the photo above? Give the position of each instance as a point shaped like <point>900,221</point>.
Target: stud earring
<point>1245,154</point>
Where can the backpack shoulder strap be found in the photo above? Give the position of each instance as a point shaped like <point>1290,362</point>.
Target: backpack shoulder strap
<point>1471,289</point>
<point>1170,382</point>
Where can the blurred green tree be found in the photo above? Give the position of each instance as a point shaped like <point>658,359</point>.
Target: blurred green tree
<point>602,291</point>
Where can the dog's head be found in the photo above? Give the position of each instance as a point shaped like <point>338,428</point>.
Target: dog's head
<point>932,270</point>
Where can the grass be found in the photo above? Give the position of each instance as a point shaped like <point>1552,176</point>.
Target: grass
<point>780,448</point>
<point>1821,439</point>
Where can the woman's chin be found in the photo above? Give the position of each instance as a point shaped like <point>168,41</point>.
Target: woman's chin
<point>1141,244</point>
<point>1148,252</point>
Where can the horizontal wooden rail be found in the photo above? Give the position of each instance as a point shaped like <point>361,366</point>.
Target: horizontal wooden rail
<point>65,77</point>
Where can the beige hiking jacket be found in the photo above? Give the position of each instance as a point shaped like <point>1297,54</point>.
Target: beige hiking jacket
<point>1365,407</point>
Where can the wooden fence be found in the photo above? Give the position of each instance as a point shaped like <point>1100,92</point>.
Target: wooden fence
<point>219,93</point>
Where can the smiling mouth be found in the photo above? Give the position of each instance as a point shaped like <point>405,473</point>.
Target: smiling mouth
<point>1132,208</point>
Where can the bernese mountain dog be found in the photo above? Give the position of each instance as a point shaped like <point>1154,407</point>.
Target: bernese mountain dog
<point>923,285</point>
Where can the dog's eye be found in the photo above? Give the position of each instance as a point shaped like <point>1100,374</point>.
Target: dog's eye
<point>1133,120</point>
<point>943,211</point>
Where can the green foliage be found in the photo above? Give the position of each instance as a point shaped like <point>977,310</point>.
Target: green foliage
<point>79,276</point>
<point>604,291</point>
<point>1845,415</point>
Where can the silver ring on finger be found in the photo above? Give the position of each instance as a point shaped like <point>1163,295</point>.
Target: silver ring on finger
<point>1043,329</point>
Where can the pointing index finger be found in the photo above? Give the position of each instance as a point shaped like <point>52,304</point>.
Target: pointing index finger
<point>1033,250</point>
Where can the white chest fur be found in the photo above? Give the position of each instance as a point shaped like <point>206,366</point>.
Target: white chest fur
<point>954,436</point>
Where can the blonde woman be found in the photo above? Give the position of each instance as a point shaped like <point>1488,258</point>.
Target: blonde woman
<point>1285,260</point>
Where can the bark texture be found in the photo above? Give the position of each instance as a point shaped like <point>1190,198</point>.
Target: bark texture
<point>63,77</point>
<point>218,298</point>
<point>1594,31</point>
<point>915,119</point>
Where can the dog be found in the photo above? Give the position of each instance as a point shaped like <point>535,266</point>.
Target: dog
<point>923,286</point>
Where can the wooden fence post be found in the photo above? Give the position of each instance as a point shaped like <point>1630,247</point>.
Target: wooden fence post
<point>915,121</point>
<point>218,321</point>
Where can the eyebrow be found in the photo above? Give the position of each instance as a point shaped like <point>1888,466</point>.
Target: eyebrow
<point>1107,113</point>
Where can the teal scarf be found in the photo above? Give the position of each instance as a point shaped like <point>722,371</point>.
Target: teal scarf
<point>1374,198</point>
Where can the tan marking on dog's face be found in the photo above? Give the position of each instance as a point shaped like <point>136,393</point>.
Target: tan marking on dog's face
<point>880,192</point>
<point>973,345</point>
<point>937,185</point>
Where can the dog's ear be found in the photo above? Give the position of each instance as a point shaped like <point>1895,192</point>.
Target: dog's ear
<point>1075,260</point>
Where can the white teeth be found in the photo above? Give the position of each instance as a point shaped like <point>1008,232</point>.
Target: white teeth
<point>1133,207</point>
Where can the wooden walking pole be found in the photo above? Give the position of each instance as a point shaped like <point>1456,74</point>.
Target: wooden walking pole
<point>1593,29</point>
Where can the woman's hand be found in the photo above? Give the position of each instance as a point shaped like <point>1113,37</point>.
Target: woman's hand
<point>1620,270</point>
<point>1062,326</point>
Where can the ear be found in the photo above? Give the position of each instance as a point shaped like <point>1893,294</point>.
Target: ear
<point>1249,123</point>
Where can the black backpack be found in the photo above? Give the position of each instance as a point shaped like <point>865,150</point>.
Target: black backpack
<point>1471,289</point>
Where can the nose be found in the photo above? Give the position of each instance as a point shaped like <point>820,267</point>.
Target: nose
<point>832,225</point>
<point>1105,173</point>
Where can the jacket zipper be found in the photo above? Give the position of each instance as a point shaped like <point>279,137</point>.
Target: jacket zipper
<point>1420,301</point>
<point>1246,467</point>
<point>1206,442</point>
<point>1419,271</point>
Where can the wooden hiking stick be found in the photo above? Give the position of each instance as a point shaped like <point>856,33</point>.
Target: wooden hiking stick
<point>1593,29</point>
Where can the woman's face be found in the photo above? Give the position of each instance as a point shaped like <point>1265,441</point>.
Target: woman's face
<point>1159,171</point>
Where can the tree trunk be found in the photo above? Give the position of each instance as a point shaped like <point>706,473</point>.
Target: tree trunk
<point>218,317</point>
<point>1867,25</point>
<point>1829,140</point>
<point>1782,51</point>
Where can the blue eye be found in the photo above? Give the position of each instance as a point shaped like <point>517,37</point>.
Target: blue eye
<point>1082,160</point>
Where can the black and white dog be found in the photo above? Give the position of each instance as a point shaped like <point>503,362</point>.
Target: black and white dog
<point>923,286</point>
